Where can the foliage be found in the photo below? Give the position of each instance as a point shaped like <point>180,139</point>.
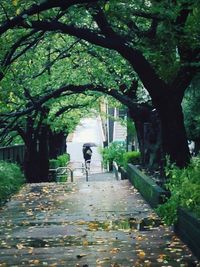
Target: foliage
<point>191,109</point>
<point>114,152</point>
<point>131,157</point>
<point>184,186</point>
<point>11,179</point>
<point>61,161</point>
<point>161,37</point>
<point>53,164</point>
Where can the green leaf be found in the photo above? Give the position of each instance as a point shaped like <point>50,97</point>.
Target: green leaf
<point>106,7</point>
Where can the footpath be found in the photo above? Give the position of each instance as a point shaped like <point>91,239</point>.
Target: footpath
<point>97,223</point>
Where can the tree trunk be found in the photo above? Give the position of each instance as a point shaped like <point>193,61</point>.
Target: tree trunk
<point>57,144</point>
<point>43,154</point>
<point>174,138</point>
<point>148,130</point>
<point>31,162</point>
<point>139,118</point>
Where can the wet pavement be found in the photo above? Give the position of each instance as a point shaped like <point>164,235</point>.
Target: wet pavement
<point>89,130</point>
<point>103,222</point>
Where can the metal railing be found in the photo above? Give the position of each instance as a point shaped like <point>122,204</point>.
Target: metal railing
<point>116,170</point>
<point>62,171</point>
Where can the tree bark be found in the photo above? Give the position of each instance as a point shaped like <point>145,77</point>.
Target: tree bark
<point>31,162</point>
<point>57,144</point>
<point>174,138</point>
<point>148,130</point>
<point>43,154</point>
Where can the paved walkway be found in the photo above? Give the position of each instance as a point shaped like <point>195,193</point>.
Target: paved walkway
<point>88,131</point>
<point>100,223</point>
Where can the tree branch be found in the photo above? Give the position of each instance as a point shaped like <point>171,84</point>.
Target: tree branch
<point>35,9</point>
<point>69,108</point>
<point>142,67</point>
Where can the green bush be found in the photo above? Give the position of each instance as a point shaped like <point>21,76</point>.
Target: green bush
<point>61,161</point>
<point>131,157</point>
<point>114,152</point>
<point>53,164</point>
<point>184,186</point>
<point>11,179</point>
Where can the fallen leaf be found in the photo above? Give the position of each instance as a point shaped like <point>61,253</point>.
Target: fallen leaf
<point>93,226</point>
<point>141,254</point>
<point>114,250</point>
<point>140,238</point>
<point>101,261</point>
<point>147,263</point>
<point>85,242</point>
<point>115,265</point>
<point>35,262</point>
<point>20,246</point>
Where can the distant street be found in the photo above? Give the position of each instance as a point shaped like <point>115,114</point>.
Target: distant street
<point>89,130</point>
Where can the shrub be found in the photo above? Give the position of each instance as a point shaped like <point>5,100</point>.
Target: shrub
<point>114,152</point>
<point>131,157</point>
<point>61,161</point>
<point>184,185</point>
<point>11,179</point>
<point>53,164</point>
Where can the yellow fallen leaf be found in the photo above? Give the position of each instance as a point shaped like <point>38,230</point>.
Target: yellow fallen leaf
<point>81,222</point>
<point>93,226</point>
<point>85,242</point>
<point>140,238</point>
<point>30,251</point>
<point>20,246</point>
<point>147,263</point>
<point>141,254</point>
<point>101,261</point>
<point>35,262</point>
<point>114,250</point>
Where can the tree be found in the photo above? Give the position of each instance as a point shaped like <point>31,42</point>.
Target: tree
<point>150,35</point>
<point>35,117</point>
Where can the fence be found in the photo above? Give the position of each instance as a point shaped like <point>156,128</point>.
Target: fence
<point>13,154</point>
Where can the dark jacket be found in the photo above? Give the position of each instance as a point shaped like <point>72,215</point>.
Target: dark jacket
<point>87,153</point>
